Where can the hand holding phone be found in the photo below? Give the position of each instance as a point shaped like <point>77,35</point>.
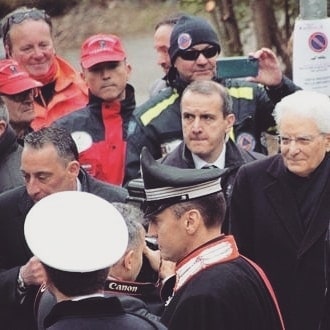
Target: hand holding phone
<point>237,67</point>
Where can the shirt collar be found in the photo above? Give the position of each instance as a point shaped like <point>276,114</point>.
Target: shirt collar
<point>219,162</point>
<point>79,188</point>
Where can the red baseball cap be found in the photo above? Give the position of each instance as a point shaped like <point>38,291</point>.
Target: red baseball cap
<point>13,79</point>
<point>101,48</point>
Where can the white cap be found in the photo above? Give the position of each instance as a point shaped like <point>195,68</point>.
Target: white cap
<point>76,232</point>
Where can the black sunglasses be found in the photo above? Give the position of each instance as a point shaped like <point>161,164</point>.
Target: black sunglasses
<point>21,97</point>
<point>19,17</point>
<point>192,55</point>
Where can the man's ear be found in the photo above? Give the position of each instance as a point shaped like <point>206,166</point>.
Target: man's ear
<point>3,126</point>
<point>7,51</point>
<point>327,145</point>
<point>83,73</point>
<point>74,167</point>
<point>230,120</point>
<point>128,260</point>
<point>192,221</point>
<point>129,69</point>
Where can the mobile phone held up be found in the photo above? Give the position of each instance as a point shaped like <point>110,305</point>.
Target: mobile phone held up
<point>237,67</point>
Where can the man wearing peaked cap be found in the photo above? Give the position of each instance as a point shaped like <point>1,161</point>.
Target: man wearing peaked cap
<point>216,286</point>
<point>88,236</point>
<point>100,128</point>
<point>194,51</point>
<point>17,91</point>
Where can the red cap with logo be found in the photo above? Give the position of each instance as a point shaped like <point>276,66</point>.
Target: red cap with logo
<point>101,48</point>
<point>13,79</point>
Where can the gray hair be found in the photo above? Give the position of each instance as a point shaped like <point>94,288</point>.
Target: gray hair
<point>4,115</point>
<point>21,14</point>
<point>209,87</point>
<point>307,104</point>
<point>134,218</point>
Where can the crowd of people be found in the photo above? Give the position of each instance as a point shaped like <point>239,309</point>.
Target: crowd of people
<point>169,214</point>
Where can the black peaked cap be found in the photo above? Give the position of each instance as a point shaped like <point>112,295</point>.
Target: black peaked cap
<point>165,185</point>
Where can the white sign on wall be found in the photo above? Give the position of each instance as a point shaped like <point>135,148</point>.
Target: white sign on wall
<point>311,54</point>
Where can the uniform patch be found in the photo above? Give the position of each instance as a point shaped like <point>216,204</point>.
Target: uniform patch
<point>246,141</point>
<point>83,140</point>
<point>184,41</point>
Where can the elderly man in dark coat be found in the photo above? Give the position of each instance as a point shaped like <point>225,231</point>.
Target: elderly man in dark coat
<point>280,211</point>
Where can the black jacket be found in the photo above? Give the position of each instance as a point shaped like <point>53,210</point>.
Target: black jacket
<point>96,313</point>
<point>14,252</point>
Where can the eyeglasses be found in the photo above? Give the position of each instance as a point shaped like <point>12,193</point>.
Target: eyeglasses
<point>299,140</point>
<point>192,55</point>
<point>19,17</point>
<point>21,97</point>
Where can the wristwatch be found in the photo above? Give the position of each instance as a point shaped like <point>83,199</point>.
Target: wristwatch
<point>20,282</point>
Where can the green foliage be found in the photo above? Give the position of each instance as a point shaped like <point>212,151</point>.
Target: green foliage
<point>192,6</point>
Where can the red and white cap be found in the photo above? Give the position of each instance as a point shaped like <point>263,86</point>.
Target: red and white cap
<point>13,79</point>
<point>101,48</point>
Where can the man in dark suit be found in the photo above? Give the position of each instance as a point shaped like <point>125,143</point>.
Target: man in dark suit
<point>280,211</point>
<point>49,164</point>
<point>207,122</point>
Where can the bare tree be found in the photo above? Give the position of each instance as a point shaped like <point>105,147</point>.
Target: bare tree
<point>224,18</point>
<point>260,19</point>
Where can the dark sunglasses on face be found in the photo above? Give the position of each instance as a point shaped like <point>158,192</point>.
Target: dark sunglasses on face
<point>192,55</point>
<point>19,17</point>
<point>21,97</point>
